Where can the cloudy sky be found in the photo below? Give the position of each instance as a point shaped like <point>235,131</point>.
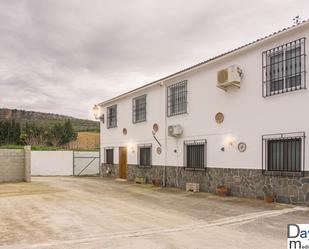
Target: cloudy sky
<point>63,56</point>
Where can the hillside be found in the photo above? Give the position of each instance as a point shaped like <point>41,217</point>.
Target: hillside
<point>85,141</point>
<point>47,119</point>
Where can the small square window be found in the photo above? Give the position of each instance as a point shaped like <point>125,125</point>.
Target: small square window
<point>195,154</point>
<point>144,155</point>
<point>284,68</point>
<point>283,153</point>
<point>177,98</point>
<point>109,156</point>
<point>139,109</point>
<point>111,116</point>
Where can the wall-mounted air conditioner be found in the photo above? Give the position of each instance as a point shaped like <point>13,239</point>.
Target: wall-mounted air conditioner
<point>175,130</point>
<point>230,76</point>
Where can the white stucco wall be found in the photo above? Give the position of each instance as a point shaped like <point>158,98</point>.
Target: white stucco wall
<point>49,163</point>
<point>248,115</point>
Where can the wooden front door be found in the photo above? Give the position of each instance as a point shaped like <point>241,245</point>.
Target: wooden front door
<point>123,162</point>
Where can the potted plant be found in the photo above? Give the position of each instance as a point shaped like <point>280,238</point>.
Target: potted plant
<point>269,194</point>
<point>222,191</point>
<point>140,180</point>
<point>156,182</point>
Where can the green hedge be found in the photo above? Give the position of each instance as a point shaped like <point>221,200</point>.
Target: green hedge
<point>13,146</point>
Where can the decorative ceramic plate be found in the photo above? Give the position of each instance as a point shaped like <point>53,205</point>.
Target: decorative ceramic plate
<point>242,147</point>
<point>159,150</point>
<point>219,117</point>
<point>124,131</point>
<point>155,127</point>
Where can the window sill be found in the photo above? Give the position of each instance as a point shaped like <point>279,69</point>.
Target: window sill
<point>194,169</point>
<point>276,93</point>
<point>144,167</point>
<point>283,173</point>
<point>176,114</point>
<point>141,121</point>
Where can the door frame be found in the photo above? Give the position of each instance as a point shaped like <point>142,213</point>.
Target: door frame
<point>123,162</point>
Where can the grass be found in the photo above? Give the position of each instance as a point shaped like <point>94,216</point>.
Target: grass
<point>15,146</point>
<point>45,148</point>
<point>85,141</point>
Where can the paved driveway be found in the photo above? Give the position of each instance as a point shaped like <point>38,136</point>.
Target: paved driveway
<point>67,212</point>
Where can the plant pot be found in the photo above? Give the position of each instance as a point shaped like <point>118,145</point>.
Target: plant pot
<point>269,199</point>
<point>156,182</point>
<point>140,180</point>
<point>222,191</point>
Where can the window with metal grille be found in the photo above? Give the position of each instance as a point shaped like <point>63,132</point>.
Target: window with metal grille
<point>139,109</point>
<point>284,152</point>
<point>195,154</point>
<point>284,68</point>
<point>177,98</point>
<point>144,155</point>
<point>111,116</point>
<point>109,156</point>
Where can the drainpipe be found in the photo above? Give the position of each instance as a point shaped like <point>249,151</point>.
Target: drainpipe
<point>161,84</point>
<point>165,138</point>
<point>100,163</point>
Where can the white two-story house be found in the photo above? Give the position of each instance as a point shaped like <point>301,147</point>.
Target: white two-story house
<point>239,120</point>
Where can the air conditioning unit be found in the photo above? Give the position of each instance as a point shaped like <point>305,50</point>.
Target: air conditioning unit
<point>230,76</point>
<point>175,130</point>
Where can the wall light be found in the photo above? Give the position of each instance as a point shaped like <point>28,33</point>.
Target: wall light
<point>96,111</point>
<point>229,141</point>
<point>131,147</point>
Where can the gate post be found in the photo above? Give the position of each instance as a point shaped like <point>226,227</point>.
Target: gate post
<point>27,150</point>
<point>73,163</point>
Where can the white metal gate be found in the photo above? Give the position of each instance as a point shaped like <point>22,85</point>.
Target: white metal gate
<point>86,163</point>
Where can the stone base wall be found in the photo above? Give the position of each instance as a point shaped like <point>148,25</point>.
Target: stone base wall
<point>249,183</point>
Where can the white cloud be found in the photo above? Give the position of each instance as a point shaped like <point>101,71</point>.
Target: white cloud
<point>64,56</point>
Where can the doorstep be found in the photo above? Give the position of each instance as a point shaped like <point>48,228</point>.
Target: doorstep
<point>121,180</point>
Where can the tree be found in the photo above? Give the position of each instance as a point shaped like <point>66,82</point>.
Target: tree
<point>33,134</point>
<point>56,134</point>
<point>9,132</point>
<point>68,132</point>
<point>62,134</point>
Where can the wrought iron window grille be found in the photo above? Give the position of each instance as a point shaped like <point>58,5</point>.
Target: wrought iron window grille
<point>139,109</point>
<point>195,154</point>
<point>283,154</point>
<point>111,119</point>
<point>177,98</point>
<point>144,155</point>
<point>109,155</point>
<point>284,68</point>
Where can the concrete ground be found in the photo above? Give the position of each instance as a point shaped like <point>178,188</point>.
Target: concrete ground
<point>67,212</point>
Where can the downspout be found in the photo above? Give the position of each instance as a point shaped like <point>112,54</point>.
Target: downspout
<point>165,138</point>
<point>100,163</point>
<point>165,133</point>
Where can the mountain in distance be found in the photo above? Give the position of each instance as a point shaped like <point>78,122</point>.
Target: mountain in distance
<point>48,119</point>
